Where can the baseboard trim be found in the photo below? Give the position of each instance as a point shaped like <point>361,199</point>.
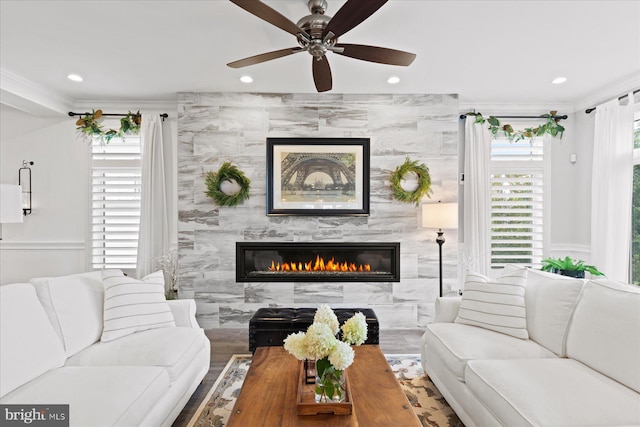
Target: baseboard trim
<point>42,245</point>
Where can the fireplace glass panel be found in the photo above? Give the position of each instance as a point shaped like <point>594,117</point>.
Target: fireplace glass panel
<point>322,262</point>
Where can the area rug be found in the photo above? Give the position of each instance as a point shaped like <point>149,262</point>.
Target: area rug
<point>429,405</point>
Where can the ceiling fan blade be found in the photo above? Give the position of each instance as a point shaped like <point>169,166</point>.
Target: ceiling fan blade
<point>263,57</point>
<point>322,74</point>
<point>381,55</point>
<point>268,14</point>
<point>352,13</point>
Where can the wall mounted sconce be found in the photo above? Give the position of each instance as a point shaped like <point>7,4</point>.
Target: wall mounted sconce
<point>24,180</point>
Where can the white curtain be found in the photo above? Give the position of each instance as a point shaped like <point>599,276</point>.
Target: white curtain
<point>612,181</point>
<point>476,253</point>
<point>154,237</point>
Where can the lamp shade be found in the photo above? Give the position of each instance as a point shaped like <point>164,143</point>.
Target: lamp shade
<point>10,203</point>
<point>440,215</point>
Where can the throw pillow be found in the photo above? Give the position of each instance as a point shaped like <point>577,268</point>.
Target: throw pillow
<point>132,305</point>
<point>551,299</point>
<point>497,305</point>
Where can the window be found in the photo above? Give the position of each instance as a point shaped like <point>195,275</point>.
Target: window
<point>635,205</point>
<point>517,201</point>
<point>115,203</point>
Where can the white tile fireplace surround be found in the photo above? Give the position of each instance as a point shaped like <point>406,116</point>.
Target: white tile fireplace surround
<point>218,127</point>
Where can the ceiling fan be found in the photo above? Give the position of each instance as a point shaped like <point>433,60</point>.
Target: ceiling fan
<point>318,34</point>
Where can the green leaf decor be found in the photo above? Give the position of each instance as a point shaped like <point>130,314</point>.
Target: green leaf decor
<point>551,127</point>
<point>90,126</point>
<point>424,182</point>
<point>227,172</point>
<point>568,264</point>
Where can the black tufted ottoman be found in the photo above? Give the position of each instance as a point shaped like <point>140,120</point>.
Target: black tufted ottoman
<point>270,326</point>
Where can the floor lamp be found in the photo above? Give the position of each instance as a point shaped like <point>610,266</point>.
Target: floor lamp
<point>440,215</point>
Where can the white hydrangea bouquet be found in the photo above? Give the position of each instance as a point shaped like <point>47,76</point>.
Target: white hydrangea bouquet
<point>332,356</point>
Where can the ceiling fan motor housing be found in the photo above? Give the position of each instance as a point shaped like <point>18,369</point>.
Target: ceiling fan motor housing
<point>317,6</point>
<point>314,25</point>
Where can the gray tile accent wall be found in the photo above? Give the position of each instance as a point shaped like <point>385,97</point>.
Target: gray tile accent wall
<point>218,127</point>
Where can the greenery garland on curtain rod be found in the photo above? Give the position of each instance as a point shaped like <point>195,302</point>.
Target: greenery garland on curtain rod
<point>551,127</point>
<point>90,125</point>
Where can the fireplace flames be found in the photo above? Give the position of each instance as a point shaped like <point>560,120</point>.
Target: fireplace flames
<point>319,265</point>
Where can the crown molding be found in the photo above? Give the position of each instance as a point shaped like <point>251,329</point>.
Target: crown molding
<point>25,95</point>
<point>615,90</point>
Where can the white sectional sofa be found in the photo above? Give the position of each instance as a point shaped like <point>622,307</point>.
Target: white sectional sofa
<point>580,365</point>
<point>51,352</point>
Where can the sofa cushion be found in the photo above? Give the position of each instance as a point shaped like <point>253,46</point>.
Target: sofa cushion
<point>551,392</point>
<point>132,305</point>
<point>456,344</point>
<point>29,346</point>
<point>98,396</point>
<point>497,305</point>
<point>550,300</point>
<point>42,289</point>
<point>604,331</point>
<point>169,348</point>
<point>74,306</point>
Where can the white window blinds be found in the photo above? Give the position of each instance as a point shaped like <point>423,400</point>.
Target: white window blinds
<point>115,202</point>
<point>517,202</point>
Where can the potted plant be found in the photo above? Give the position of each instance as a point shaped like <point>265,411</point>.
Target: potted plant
<point>569,267</point>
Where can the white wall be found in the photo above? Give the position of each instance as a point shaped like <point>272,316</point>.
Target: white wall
<point>51,240</point>
<point>585,131</point>
<point>54,239</point>
<point>571,189</point>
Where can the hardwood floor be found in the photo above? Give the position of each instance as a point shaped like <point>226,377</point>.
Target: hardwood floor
<point>226,342</point>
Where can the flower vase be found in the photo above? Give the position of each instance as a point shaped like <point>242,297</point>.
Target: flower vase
<point>330,383</point>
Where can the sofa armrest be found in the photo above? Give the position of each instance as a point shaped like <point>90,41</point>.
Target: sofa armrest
<point>447,309</point>
<point>184,312</point>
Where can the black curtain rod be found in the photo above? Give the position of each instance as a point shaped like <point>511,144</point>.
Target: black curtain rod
<point>71,114</point>
<point>564,117</point>
<point>620,98</point>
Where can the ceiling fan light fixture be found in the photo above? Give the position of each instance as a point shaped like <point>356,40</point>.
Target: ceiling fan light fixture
<point>75,77</point>
<point>246,79</point>
<point>393,80</point>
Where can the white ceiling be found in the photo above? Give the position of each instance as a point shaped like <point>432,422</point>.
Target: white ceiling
<point>496,52</point>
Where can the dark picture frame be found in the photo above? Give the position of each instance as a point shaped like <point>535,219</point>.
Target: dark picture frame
<point>318,176</point>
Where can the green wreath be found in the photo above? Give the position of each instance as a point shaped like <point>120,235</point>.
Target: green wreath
<point>227,172</point>
<point>424,182</point>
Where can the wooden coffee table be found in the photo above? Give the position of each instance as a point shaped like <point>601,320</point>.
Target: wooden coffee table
<point>268,395</point>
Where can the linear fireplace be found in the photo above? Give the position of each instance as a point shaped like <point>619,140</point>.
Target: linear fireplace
<point>317,262</point>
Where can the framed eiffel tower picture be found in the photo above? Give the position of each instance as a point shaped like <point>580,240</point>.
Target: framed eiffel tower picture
<point>318,176</point>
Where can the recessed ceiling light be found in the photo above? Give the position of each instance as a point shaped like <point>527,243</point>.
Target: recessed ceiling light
<point>559,80</point>
<point>75,77</point>
<point>246,79</point>
<point>393,80</point>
